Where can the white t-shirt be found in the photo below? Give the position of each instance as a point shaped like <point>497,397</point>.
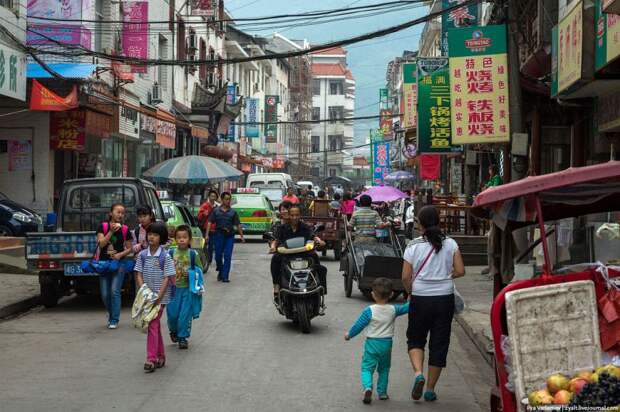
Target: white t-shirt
<point>435,278</point>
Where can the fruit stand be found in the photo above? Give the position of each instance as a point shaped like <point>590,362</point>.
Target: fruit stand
<point>551,331</point>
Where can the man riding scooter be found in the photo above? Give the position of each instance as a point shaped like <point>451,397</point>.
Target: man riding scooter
<point>294,228</point>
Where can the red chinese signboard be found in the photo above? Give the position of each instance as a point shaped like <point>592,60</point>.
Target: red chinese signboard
<point>67,130</point>
<point>41,98</point>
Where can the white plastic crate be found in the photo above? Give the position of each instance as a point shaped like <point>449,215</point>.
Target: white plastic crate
<point>552,329</point>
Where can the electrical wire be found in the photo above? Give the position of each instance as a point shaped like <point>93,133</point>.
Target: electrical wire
<point>332,120</point>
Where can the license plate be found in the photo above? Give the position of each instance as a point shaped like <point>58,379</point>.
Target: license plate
<point>75,269</point>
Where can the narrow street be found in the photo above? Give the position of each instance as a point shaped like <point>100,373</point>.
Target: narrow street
<point>243,356</point>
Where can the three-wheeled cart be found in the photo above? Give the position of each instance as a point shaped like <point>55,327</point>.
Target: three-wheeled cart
<point>548,198</point>
<point>363,262</point>
<point>329,219</point>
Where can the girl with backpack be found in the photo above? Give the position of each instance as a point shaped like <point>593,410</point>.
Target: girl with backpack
<point>145,218</point>
<point>113,245</point>
<point>155,268</point>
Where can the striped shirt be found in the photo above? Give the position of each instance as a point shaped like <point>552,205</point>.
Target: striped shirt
<point>365,221</point>
<point>152,273</point>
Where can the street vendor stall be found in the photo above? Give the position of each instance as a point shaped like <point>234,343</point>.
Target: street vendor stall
<point>556,325</point>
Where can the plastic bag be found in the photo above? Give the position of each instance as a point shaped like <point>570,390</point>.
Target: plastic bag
<point>507,351</point>
<point>459,302</point>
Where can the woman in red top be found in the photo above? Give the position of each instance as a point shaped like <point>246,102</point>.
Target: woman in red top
<point>348,205</point>
<point>290,197</point>
<point>203,219</point>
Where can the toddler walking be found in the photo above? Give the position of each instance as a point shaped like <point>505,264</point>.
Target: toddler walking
<point>378,320</point>
<point>155,268</point>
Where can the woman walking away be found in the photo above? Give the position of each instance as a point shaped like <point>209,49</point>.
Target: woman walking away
<point>155,267</point>
<point>113,244</point>
<point>348,205</point>
<point>432,262</point>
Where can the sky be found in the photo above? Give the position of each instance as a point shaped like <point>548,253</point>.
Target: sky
<point>367,60</point>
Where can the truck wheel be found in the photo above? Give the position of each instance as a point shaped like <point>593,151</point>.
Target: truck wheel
<point>338,250</point>
<point>49,290</point>
<point>5,231</point>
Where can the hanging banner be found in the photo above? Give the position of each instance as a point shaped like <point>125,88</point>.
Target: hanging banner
<point>231,98</point>
<point>410,90</point>
<point>67,130</point>
<point>386,124</point>
<point>20,155</point>
<point>434,131</point>
<point>204,7</point>
<point>52,34</point>
<point>607,37</point>
<point>381,162</point>
<point>251,117</point>
<point>465,16</point>
<point>570,42</point>
<point>479,85</point>
<point>430,167</point>
<point>41,98</point>
<point>135,39</point>
<point>271,115</point>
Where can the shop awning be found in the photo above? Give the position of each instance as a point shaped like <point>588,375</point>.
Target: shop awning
<point>68,70</point>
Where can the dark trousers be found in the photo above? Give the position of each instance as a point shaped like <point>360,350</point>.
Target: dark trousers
<point>431,314</point>
<point>224,245</point>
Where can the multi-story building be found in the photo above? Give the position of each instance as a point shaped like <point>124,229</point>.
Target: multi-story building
<point>333,90</point>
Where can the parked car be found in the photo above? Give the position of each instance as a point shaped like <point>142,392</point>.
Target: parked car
<point>17,220</point>
<point>178,214</point>
<point>84,204</point>
<point>255,211</point>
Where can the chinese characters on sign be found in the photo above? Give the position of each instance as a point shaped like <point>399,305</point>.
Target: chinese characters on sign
<point>607,37</point>
<point>384,98</point>
<point>42,98</point>
<point>385,124</point>
<point>434,131</point>
<point>381,162</point>
<point>410,90</point>
<point>271,115</point>
<point>20,155</point>
<point>465,16</point>
<point>67,130</point>
<point>570,45</point>
<point>231,98</point>
<point>204,7</point>
<point>12,73</point>
<point>479,85</point>
<point>251,117</point>
<point>135,40</point>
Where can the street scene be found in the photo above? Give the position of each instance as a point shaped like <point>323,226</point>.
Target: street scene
<point>264,205</point>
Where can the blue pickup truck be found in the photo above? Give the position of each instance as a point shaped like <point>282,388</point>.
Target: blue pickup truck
<point>84,204</point>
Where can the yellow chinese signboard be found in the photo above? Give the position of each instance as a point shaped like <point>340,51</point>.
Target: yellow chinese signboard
<point>410,91</point>
<point>569,51</point>
<point>479,85</point>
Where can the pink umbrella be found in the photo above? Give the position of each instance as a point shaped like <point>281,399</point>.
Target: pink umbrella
<point>384,194</point>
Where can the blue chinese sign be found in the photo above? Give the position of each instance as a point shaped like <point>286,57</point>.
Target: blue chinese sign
<point>381,162</point>
<point>231,98</point>
<point>251,117</point>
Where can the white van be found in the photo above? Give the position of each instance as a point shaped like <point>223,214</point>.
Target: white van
<point>272,185</point>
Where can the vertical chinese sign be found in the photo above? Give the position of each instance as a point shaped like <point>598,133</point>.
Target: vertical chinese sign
<point>434,131</point>
<point>569,51</point>
<point>607,37</point>
<point>67,130</point>
<point>381,162</point>
<point>384,97</point>
<point>410,89</point>
<point>251,118</point>
<point>135,40</point>
<point>479,85</point>
<point>271,116</point>
<point>465,16</point>
<point>20,155</point>
<point>231,98</point>
<point>386,124</point>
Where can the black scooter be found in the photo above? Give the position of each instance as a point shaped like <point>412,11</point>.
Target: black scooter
<point>302,291</point>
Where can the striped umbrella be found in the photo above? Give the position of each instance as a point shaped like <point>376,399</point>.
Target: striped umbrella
<point>192,170</point>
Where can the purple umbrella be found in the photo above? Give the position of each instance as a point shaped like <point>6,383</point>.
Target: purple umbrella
<point>384,194</point>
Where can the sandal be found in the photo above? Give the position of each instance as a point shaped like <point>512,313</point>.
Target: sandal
<point>418,387</point>
<point>149,367</point>
<point>430,396</point>
<point>173,337</point>
<point>160,363</point>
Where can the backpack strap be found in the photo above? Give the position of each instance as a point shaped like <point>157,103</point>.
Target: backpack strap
<point>124,231</point>
<point>106,228</point>
<point>192,259</point>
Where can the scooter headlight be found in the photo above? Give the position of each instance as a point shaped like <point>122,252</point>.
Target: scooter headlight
<point>299,264</point>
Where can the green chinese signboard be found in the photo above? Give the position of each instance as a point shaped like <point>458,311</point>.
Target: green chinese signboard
<point>607,37</point>
<point>271,115</point>
<point>462,17</point>
<point>434,124</point>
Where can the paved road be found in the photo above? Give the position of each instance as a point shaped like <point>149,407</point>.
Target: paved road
<point>242,357</point>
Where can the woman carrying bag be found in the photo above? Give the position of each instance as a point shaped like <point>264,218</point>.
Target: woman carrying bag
<point>432,262</point>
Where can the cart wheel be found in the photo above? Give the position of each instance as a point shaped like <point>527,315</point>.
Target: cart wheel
<point>338,250</point>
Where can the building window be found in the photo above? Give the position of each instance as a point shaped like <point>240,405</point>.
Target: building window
<point>332,172</point>
<point>162,71</point>
<point>12,5</point>
<point>316,113</point>
<point>316,87</point>
<point>336,88</point>
<point>336,113</point>
<point>316,144</point>
<point>315,171</point>
<point>335,142</point>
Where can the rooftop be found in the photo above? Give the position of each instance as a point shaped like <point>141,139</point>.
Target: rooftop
<point>331,69</point>
<point>334,51</point>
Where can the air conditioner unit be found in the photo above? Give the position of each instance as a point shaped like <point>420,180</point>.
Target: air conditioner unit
<point>156,94</point>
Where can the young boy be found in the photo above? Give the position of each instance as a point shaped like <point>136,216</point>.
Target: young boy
<point>184,306</point>
<point>378,319</point>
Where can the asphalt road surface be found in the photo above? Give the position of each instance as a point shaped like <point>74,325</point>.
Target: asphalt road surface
<point>243,356</point>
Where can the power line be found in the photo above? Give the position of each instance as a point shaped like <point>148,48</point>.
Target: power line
<point>333,120</point>
<point>330,45</point>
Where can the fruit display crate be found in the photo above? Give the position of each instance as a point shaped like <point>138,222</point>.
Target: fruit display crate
<point>552,329</point>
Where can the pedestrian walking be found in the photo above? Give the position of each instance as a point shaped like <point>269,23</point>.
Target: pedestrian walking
<point>187,301</point>
<point>225,219</point>
<point>290,196</point>
<point>347,207</point>
<point>155,268</point>
<point>203,219</point>
<point>378,320</point>
<point>431,263</point>
<point>113,245</point>
<point>145,218</point>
